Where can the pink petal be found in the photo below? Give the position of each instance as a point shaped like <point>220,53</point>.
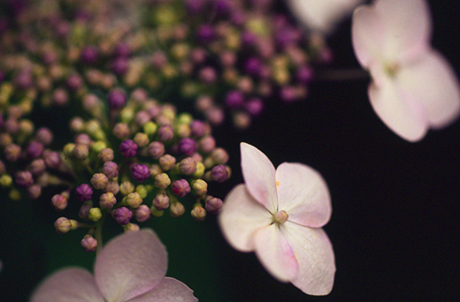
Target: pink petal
<point>315,256</point>
<point>259,176</point>
<point>71,284</point>
<point>169,290</point>
<point>322,15</point>
<point>407,28</point>
<point>433,83</point>
<point>240,217</point>
<point>303,194</point>
<point>367,35</point>
<point>275,253</point>
<point>130,265</point>
<point>396,107</point>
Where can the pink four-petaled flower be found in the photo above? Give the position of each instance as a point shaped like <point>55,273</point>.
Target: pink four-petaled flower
<point>278,214</point>
<point>413,87</point>
<point>131,267</point>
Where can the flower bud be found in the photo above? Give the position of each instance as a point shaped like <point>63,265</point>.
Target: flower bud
<point>88,243</point>
<point>12,152</point>
<point>106,155</point>
<point>126,187</point>
<point>112,187</point>
<point>198,213</point>
<point>162,181</point>
<point>187,166</point>
<point>100,145</point>
<point>200,168</point>
<point>142,213</point>
<point>68,149</point>
<point>24,178</point>
<point>84,192</point>
<point>36,167</point>
<point>52,159</point>
<point>161,202</point>
<point>34,149</point>
<point>5,180</point>
<point>132,227</point>
<point>110,169</point>
<point>107,200</point>
<point>34,191</point>
<point>187,146</point>
<point>94,214</point>
<point>134,200</point>
<point>200,187</point>
<point>167,162</point>
<point>44,136</point>
<point>219,173</point>
<point>156,150</point>
<point>59,202</point>
<point>141,139</point>
<point>155,170</point>
<point>219,156</point>
<point>176,209</point>
<point>121,130</point>
<point>150,128</point>
<point>207,144</point>
<point>84,210</point>
<point>142,190</point>
<point>180,187</point>
<point>80,151</point>
<point>62,225</point>
<point>122,215</point>
<point>99,181</point>
<point>140,172</point>
<point>213,204</point>
<point>128,148</point>
<point>165,133</point>
<point>77,124</point>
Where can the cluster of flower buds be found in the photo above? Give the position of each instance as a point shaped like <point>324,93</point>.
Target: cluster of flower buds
<point>138,160</point>
<point>232,55</point>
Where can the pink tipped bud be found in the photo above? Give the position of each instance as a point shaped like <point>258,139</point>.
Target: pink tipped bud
<point>89,243</point>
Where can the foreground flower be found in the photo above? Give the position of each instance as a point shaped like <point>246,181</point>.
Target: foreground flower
<point>413,87</point>
<point>131,267</point>
<point>279,215</point>
<point>322,15</point>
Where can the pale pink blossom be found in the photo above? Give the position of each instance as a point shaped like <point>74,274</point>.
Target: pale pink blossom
<point>278,214</point>
<point>413,87</point>
<point>322,15</point>
<point>131,267</point>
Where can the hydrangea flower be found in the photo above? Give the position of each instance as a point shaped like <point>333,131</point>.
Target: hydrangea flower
<point>322,15</point>
<point>413,87</point>
<point>131,267</point>
<point>278,214</point>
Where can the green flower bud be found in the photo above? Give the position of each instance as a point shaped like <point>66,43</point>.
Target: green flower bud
<point>150,128</point>
<point>94,214</point>
<point>142,190</point>
<point>200,168</point>
<point>134,200</point>
<point>6,180</point>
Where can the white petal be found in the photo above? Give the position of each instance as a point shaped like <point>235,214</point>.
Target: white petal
<point>259,176</point>
<point>275,253</point>
<point>396,107</point>
<point>433,83</point>
<point>130,265</point>
<point>407,28</point>
<point>240,217</point>
<point>303,194</point>
<point>322,15</point>
<point>315,256</point>
<point>169,290</point>
<point>367,35</point>
<point>71,284</point>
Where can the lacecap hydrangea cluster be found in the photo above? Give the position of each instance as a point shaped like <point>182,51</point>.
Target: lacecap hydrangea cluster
<point>77,123</point>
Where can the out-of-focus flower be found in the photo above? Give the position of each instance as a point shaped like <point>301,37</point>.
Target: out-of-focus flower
<point>322,15</point>
<point>278,214</point>
<point>413,87</point>
<point>131,267</point>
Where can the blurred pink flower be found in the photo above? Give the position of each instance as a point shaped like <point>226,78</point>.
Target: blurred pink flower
<point>322,15</point>
<point>278,214</point>
<point>131,267</point>
<point>413,87</point>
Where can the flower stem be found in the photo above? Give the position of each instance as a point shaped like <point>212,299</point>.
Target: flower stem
<point>342,75</point>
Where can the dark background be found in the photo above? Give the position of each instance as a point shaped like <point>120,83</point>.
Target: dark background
<point>395,223</point>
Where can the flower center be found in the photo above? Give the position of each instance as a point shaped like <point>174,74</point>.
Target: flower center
<point>391,69</point>
<point>280,217</point>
